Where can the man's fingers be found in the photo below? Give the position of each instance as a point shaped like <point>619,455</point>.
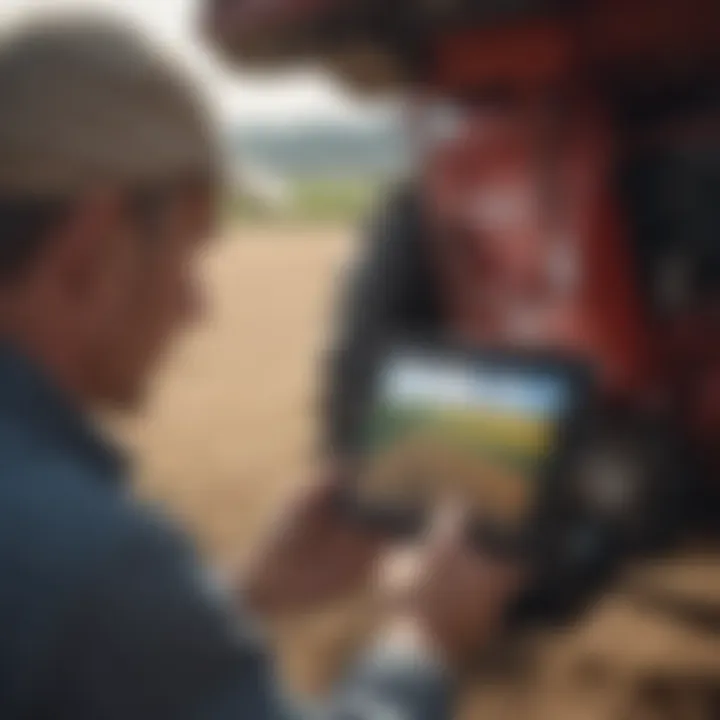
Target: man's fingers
<point>504,577</point>
<point>449,525</point>
<point>448,548</point>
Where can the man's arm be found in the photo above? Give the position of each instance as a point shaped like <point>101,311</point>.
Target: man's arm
<point>152,638</point>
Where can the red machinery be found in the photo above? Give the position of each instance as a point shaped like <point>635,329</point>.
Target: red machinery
<point>530,224</point>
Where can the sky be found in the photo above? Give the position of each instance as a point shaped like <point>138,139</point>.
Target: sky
<point>238,97</point>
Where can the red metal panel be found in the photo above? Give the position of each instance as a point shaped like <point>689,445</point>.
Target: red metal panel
<point>530,245</point>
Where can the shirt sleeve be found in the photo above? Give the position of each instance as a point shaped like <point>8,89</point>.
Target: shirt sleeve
<point>153,638</point>
<point>395,683</point>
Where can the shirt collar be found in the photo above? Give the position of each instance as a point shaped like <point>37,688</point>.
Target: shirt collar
<point>28,397</point>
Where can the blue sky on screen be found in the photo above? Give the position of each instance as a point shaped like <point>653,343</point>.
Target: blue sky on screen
<point>412,380</point>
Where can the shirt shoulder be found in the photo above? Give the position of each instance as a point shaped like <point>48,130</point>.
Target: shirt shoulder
<point>55,511</point>
<point>61,527</point>
<point>149,634</point>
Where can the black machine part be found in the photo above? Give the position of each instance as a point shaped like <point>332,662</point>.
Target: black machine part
<point>388,292</point>
<point>627,490</point>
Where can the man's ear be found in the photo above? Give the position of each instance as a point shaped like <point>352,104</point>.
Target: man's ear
<point>83,248</point>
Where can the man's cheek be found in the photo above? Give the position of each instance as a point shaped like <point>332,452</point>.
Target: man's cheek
<point>177,306</point>
<point>195,301</point>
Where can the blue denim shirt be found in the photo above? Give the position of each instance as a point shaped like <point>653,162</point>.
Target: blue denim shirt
<point>104,610</point>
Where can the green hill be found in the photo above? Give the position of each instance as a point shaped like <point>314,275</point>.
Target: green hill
<point>368,150</point>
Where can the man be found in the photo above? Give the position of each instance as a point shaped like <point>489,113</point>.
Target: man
<point>108,176</point>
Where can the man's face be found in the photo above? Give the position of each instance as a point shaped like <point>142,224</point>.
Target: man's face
<point>148,288</point>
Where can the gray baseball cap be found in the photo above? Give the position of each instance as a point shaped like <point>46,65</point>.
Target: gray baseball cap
<point>88,100</point>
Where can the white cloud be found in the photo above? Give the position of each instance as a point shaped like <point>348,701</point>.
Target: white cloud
<point>239,97</point>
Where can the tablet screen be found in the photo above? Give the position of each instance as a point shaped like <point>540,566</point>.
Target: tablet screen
<point>447,424</point>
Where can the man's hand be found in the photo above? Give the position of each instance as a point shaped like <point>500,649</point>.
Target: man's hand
<point>315,554</point>
<point>457,598</point>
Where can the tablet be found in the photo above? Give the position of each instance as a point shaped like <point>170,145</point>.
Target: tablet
<point>489,429</point>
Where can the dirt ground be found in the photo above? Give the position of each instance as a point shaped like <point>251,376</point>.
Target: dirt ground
<point>230,432</point>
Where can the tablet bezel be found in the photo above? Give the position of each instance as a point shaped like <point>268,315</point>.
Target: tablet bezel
<point>552,502</point>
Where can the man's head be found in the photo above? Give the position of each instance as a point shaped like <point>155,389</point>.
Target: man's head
<point>107,177</point>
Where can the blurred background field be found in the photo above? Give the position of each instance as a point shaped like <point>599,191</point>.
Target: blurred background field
<point>312,172</point>
<point>302,201</point>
